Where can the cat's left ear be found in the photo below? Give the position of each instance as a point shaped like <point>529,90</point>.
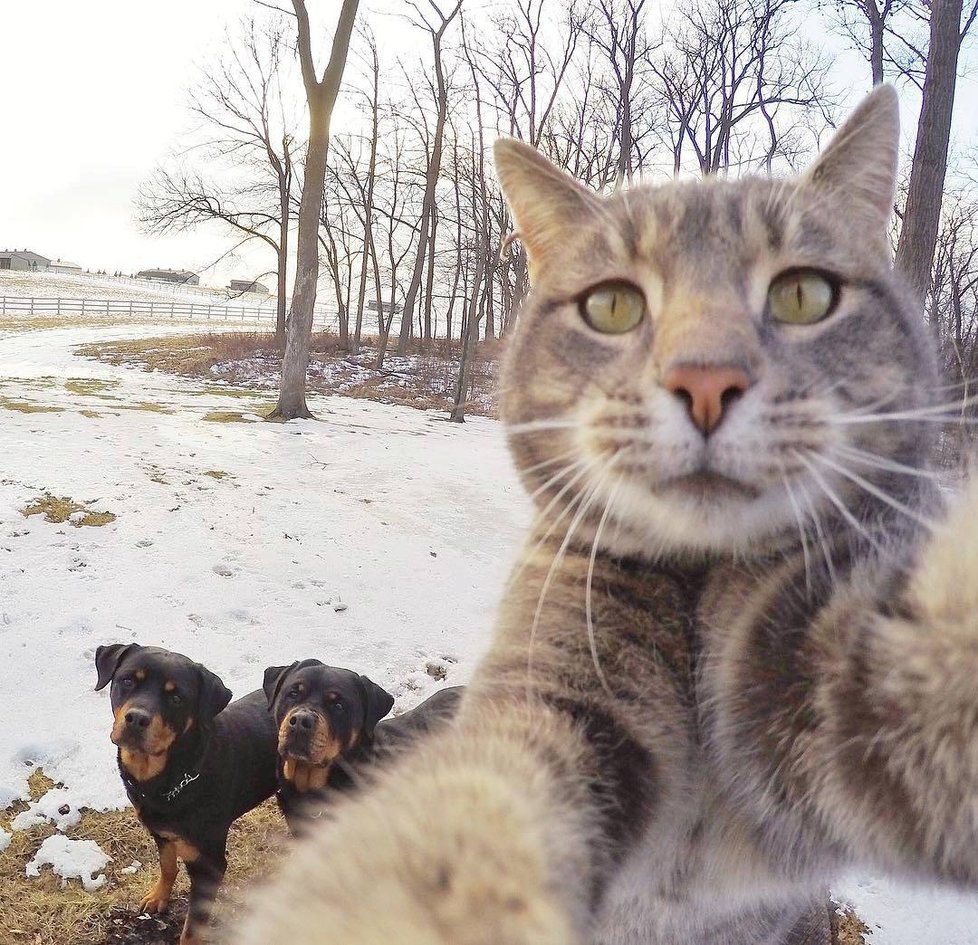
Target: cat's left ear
<point>546,202</point>
<point>860,163</point>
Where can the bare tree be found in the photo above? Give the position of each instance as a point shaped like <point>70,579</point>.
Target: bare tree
<point>436,26</point>
<point>246,123</point>
<point>617,29</point>
<point>736,84</point>
<point>949,25</point>
<point>320,97</point>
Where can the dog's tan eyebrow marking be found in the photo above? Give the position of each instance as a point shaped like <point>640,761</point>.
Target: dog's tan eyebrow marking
<point>169,686</point>
<point>140,674</point>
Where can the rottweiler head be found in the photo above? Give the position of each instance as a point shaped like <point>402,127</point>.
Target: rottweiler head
<point>157,697</point>
<point>321,712</point>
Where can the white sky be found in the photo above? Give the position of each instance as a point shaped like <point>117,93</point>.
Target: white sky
<point>93,97</point>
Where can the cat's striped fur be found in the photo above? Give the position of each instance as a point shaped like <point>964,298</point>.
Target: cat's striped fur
<point>724,669</point>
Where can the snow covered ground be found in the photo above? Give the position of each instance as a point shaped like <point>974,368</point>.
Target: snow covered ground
<point>239,544</point>
<point>20,284</point>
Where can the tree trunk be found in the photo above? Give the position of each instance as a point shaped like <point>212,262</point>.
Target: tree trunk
<point>283,262</point>
<point>918,236</point>
<point>469,343</point>
<point>321,96</point>
<point>431,182</point>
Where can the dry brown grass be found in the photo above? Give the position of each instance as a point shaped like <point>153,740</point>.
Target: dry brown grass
<point>42,912</point>
<point>848,928</point>
<point>428,384</point>
<point>23,406</point>
<point>59,509</point>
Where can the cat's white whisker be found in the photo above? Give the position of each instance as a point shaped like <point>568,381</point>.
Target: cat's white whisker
<point>876,461</point>
<point>540,426</point>
<point>580,465</point>
<point>544,513</point>
<point>560,457</point>
<point>834,498</point>
<point>874,490</point>
<point>940,412</point>
<point>802,530</point>
<point>823,541</point>
<point>589,496</point>
<point>592,639</point>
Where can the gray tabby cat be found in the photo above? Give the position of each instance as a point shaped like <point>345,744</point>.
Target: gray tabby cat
<point>736,656</point>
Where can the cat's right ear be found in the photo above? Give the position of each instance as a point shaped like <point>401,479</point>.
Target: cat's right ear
<point>860,162</point>
<point>545,201</point>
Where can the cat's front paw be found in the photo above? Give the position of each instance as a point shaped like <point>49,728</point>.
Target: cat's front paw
<point>943,588</point>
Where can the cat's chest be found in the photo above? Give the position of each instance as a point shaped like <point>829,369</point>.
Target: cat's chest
<point>698,877</point>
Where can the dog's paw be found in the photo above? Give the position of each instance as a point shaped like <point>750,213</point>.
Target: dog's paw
<point>155,899</point>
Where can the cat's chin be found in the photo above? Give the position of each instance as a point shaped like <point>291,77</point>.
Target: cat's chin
<point>700,514</point>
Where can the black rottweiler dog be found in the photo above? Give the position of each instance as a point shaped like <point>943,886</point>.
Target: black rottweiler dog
<point>329,725</point>
<point>191,764</point>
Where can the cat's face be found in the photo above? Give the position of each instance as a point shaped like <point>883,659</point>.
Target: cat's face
<point>698,364</point>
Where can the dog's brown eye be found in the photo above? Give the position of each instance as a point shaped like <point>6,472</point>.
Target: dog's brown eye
<point>127,683</point>
<point>176,698</point>
<point>339,706</point>
<point>294,693</point>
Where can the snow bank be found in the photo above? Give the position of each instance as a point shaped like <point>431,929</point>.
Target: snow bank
<point>71,859</point>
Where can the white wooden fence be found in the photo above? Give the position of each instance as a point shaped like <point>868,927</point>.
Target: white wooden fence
<point>127,308</point>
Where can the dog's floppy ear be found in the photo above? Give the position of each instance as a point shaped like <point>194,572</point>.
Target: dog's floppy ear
<point>108,658</point>
<point>274,677</point>
<point>214,695</point>
<point>378,702</point>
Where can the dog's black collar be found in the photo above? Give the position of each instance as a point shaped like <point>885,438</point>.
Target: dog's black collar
<point>160,795</point>
<point>169,796</point>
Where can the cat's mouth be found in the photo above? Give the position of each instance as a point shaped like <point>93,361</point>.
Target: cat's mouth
<point>706,484</point>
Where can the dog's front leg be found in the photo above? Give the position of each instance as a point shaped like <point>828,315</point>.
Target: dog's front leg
<point>157,897</point>
<point>206,870</point>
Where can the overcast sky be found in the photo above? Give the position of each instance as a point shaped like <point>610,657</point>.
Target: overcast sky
<point>93,97</point>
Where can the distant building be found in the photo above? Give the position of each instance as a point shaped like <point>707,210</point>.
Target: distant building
<point>384,306</point>
<point>23,259</point>
<point>170,275</point>
<point>243,285</point>
<point>62,265</point>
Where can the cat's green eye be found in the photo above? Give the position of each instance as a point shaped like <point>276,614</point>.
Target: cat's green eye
<point>613,309</point>
<point>801,297</point>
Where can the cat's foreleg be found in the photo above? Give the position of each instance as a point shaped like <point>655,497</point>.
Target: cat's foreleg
<point>481,837</point>
<point>853,732</point>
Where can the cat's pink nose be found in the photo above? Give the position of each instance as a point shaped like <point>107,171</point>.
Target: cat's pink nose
<point>707,392</point>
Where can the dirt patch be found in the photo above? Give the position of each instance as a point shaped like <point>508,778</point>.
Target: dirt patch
<point>23,406</point>
<point>848,928</point>
<point>87,386</point>
<point>146,406</point>
<point>226,416</point>
<point>218,474</point>
<point>61,509</point>
<point>43,912</point>
<point>250,363</point>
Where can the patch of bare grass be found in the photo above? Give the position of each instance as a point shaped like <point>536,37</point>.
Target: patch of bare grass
<point>43,912</point>
<point>23,406</point>
<point>226,416</point>
<point>424,379</point>
<point>61,509</point>
<point>848,928</point>
<point>87,386</point>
